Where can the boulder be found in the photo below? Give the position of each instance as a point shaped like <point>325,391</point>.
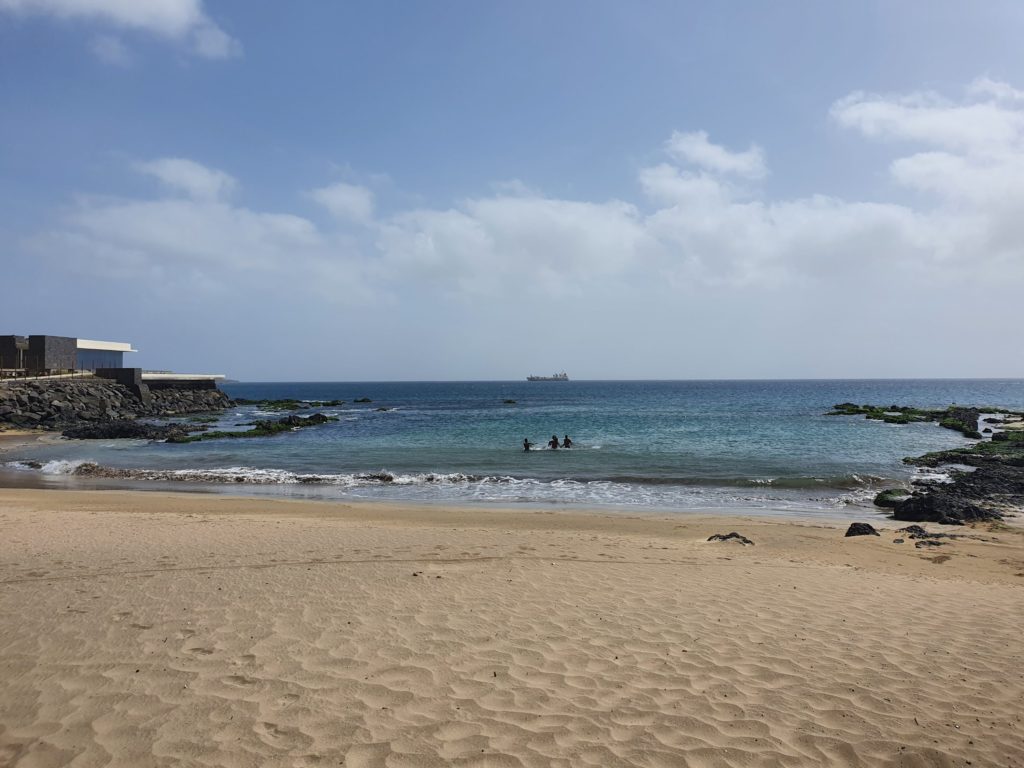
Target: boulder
<point>861,529</point>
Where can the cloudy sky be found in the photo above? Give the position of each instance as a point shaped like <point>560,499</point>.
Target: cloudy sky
<point>466,190</point>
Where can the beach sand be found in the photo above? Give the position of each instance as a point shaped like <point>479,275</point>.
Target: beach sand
<point>143,629</point>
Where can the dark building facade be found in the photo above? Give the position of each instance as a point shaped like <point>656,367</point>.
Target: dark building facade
<point>52,354</point>
<point>43,354</point>
<point>12,352</point>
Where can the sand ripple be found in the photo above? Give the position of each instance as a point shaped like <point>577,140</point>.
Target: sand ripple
<point>215,641</point>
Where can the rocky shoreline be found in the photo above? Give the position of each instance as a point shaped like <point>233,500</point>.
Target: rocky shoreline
<point>67,403</point>
<point>986,478</point>
<point>99,409</point>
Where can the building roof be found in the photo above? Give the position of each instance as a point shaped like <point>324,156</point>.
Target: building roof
<point>167,376</point>
<point>108,346</point>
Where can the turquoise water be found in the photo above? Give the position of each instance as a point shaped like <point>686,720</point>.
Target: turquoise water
<point>667,445</point>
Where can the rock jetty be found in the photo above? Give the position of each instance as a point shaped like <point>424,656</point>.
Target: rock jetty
<point>62,403</point>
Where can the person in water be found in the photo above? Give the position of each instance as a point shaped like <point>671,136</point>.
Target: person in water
<point>553,442</point>
<point>567,443</point>
<point>527,444</point>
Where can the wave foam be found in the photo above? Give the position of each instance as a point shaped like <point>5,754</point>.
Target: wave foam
<point>678,493</point>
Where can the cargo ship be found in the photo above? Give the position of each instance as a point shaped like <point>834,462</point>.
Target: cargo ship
<point>554,377</point>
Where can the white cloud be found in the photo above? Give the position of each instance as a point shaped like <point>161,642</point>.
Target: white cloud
<point>111,50</point>
<point>974,164</point>
<point>346,201</point>
<point>696,149</point>
<point>183,21</point>
<point>987,87</point>
<point>191,232</point>
<point>977,126</point>
<point>531,244</point>
<point>692,229</point>
<point>195,180</point>
<point>666,184</point>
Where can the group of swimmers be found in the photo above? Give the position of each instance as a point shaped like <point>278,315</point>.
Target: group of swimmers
<point>553,443</point>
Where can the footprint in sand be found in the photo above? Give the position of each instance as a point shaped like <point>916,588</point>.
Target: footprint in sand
<point>239,681</point>
<point>282,737</point>
<point>286,700</point>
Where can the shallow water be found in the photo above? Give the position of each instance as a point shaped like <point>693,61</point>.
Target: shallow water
<point>665,445</point>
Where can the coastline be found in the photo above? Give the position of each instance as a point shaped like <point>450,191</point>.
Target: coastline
<point>173,628</point>
<point>667,446</point>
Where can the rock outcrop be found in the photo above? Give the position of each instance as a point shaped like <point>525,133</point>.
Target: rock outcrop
<point>260,428</point>
<point>993,484</point>
<point>128,428</point>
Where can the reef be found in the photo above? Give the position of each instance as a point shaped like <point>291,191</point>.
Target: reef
<point>260,428</point>
<point>963,420</point>
<point>289,404</point>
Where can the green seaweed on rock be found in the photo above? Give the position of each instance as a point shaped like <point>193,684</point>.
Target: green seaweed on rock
<point>261,428</point>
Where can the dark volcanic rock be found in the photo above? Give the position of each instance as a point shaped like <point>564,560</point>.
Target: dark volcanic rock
<point>260,428</point>
<point>61,403</point>
<point>971,497</point>
<point>731,537</point>
<point>890,497</point>
<point>917,532</point>
<point>938,507</point>
<point>913,530</point>
<point>114,430</point>
<point>861,529</point>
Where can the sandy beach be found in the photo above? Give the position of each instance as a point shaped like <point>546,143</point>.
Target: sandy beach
<point>145,629</point>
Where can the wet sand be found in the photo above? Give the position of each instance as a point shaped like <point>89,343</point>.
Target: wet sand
<point>141,629</point>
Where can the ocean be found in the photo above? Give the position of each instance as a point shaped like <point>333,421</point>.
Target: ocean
<point>764,446</point>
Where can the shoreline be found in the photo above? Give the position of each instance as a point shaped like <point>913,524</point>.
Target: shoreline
<point>300,493</point>
<point>182,629</point>
<point>789,502</point>
<point>991,490</point>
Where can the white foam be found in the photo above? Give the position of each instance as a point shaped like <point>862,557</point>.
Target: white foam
<point>61,467</point>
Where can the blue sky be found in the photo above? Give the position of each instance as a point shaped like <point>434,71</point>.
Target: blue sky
<point>484,190</point>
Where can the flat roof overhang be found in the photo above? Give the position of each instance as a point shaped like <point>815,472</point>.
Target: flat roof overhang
<point>106,346</point>
<point>182,376</point>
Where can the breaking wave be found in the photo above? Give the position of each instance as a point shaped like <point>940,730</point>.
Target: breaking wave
<point>785,493</point>
<point>260,476</point>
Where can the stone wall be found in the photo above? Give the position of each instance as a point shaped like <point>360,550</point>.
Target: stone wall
<point>56,404</point>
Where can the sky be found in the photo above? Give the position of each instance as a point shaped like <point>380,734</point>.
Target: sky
<point>350,191</point>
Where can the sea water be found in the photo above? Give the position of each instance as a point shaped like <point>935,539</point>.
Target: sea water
<point>670,445</point>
